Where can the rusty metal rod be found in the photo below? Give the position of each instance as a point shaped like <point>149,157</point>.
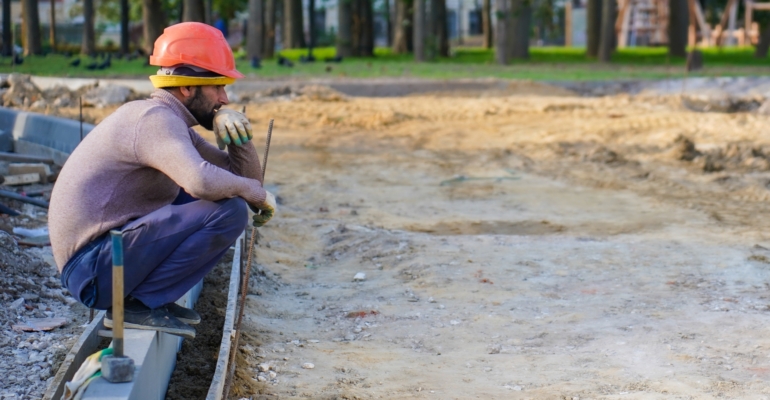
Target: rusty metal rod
<point>245,278</point>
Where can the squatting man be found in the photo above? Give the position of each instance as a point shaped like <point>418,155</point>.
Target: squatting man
<point>179,201</point>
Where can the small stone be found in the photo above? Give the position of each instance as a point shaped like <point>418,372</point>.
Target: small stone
<point>308,365</point>
<point>350,338</point>
<point>431,300</point>
<point>17,303</point>
<point>357,330</point>
<point>261,378</point>
<point>272,375</point>
<point>454,322</point>
<point>39,346</point>
<point>494,349</point>
<point>360,277</point>
<point>263,367</point>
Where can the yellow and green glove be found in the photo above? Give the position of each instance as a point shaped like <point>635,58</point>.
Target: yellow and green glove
<point>231,127</point>
<point>265,212</point>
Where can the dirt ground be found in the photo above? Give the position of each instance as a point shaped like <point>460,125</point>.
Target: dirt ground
<point>524,245</point>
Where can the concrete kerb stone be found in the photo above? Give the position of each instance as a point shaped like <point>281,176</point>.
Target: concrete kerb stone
<point>40,135</point>
<point>154,355</point>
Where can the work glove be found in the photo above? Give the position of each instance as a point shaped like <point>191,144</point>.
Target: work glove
<point>264,212</point>
<point>231,127</point>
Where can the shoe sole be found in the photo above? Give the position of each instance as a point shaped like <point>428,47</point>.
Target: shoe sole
<point>178,332</point>
<point>190,321</point>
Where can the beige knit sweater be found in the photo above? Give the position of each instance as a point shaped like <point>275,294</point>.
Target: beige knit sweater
<point>133,163</point>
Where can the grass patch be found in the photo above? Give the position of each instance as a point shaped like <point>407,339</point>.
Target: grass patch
<point>545,63</point>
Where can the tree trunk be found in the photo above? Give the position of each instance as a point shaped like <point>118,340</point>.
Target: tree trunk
<point>344,26</point>
<point>678,27</point>
<point>521,21</point>
<point>255,29</point>
<point>418,35</point>
<point>293,36</point>
<point>7,33</point>
<point>442,35</point>
<point>194,11</point>
<point>362,28</point>
<point>431,42</point>
<point>154,22</point>
<point>486,24</point>
<point>208,7</point>
<point>502,28</point>
<point>593,27</point>
<point>124,37</point>
<point>388,25</point>
<point>268,47</point>
<point>310,28</point>
<point>764,41</point>
<point>88,47</point>
<point>52,26</point>
<point>402,32</point>
<point>31,28</point>
<point>608,37</point>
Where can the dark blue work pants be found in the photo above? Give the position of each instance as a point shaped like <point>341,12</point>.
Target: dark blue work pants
<point>165,252</point>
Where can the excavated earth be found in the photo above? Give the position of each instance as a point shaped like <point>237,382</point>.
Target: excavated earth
<point>529,245</point>
<point>525,243</point>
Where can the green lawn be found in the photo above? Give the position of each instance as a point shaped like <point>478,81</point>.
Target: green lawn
<point>546,63</point>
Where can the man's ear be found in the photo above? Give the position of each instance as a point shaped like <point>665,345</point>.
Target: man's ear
<point>186,91</point>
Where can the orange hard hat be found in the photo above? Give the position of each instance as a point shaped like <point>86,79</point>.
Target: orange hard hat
<point>197,44</point>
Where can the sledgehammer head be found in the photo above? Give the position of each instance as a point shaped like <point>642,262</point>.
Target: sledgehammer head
<point>117,369</point>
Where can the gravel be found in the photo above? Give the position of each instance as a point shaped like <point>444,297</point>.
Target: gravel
<point>30,289</point>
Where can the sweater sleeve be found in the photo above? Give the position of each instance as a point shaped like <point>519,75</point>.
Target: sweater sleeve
<point>240,160</point>
<point>162,142</point>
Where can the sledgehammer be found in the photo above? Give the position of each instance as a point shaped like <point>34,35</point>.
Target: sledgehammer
<point>117,368</point>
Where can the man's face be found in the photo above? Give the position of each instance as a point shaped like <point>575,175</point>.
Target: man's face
<point>205,102</point>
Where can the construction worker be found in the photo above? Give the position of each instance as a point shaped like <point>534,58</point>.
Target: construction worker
<point>179,201</point>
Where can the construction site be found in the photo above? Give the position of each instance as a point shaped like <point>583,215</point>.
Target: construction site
<point>507,239</point>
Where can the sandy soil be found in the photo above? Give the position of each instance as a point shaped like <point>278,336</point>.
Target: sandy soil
<point>523,245</point>
<point>529,246</point>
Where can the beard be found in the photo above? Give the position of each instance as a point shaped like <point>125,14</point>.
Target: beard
<point>201,109</point>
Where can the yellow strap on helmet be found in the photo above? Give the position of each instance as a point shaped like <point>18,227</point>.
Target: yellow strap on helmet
<point>163,81</point>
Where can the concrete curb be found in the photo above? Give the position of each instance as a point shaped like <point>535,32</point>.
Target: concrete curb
<point>154,354</point>
<point>40,135</point>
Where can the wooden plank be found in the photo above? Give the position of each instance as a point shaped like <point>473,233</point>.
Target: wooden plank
<point>87,344</point>
<point>623,23</point>
<point>16,157</point>
<point>21,179</point>
<point>704,27</point>
<point>761,6</point>
<point>216,390</point>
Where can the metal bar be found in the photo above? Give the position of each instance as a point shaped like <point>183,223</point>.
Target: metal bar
<point>16,157</point>
<point>267,149</point>
<point>23,199</point>
<point>245,276</point>
<point>117,292</point>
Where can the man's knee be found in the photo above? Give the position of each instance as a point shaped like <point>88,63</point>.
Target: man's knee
<point>236,213</point>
